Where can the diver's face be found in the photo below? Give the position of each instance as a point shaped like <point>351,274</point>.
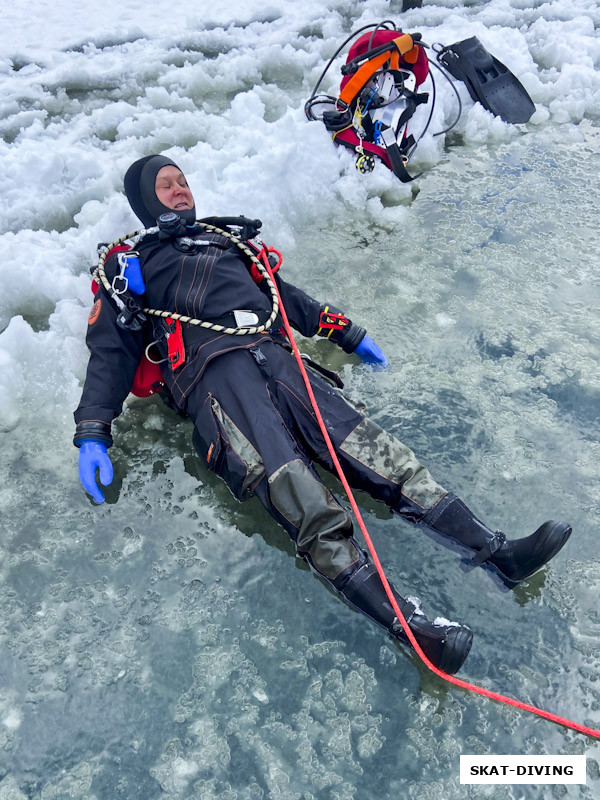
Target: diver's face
<point>172,190</point>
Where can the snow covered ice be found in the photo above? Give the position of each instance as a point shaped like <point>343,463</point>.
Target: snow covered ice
<point>167,644</point>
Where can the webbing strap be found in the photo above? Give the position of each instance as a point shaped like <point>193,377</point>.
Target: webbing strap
<point>406,47</point>
<point>395,156</point>
<point>361,76</point>
<point>400,46</point>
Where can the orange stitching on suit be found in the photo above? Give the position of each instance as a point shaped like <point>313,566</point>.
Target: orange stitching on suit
<point>211,259</point>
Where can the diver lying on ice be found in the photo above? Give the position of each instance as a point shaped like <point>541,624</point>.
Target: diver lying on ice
<point>234,377</point>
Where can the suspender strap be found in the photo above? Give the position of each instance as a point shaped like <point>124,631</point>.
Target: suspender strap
<point>395,156</point>
<point>400,46</point>
<point>362,76</point>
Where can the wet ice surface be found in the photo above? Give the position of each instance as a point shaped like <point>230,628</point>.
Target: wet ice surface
<point>167,644</point>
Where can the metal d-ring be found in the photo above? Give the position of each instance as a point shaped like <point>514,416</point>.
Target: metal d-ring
<point>147,353</point>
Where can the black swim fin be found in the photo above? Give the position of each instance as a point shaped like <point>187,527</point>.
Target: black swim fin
<point>488,80</point>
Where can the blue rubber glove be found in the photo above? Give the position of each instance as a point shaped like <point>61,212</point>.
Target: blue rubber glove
<point>93,456</point>
<point>133,273</point>
<point>371,354</point>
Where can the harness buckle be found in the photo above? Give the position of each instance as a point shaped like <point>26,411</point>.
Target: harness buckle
<point>259,356</point>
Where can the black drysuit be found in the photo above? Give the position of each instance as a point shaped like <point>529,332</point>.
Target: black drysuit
<point>254,425</point>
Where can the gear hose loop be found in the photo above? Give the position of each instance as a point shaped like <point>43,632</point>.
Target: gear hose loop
<point>100,276</point>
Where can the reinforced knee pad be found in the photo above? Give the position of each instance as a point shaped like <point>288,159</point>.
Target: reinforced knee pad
<point>321,528</point>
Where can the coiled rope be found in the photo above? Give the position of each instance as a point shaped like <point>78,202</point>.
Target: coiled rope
<point>100,275</point>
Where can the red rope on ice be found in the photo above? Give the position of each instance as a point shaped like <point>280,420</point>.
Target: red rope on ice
<point>450,678</point>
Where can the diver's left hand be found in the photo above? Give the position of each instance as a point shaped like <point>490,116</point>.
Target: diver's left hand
<point>371,353</point>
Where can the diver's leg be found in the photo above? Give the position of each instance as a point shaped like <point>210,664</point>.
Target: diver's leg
<point>378,463</point>
<point>348,570</point>
<point>416,496</point>
<point>445,644</point>
<point>515,560</point>
<point>252,449</point>
<point>242,437</point>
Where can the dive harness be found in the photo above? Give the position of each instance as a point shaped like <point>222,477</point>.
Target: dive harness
<point>132,315</point>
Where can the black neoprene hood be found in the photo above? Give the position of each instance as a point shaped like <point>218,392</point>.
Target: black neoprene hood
<point>139,182</point>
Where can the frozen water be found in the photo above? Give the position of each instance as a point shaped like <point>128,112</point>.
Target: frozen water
<point>166,644</point>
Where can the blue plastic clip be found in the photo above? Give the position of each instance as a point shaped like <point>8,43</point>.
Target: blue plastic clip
<point>377,132</point>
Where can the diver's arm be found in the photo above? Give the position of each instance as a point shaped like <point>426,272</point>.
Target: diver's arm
<point>115,354</point>
<point>312,318</point>
<point>308,316</point>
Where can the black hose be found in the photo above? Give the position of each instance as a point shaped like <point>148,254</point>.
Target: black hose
<point>353,35</point>
<point>454,89</point>
<point>381,24</point>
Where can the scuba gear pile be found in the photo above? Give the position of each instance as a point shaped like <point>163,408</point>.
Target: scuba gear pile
<point>378,93</point>
<point>377,97</point>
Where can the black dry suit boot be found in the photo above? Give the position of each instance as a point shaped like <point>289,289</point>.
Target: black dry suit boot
<point>514,560</point>
<point>446,644</point>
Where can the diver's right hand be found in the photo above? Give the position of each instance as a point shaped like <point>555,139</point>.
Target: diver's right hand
<point>93,456</point>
